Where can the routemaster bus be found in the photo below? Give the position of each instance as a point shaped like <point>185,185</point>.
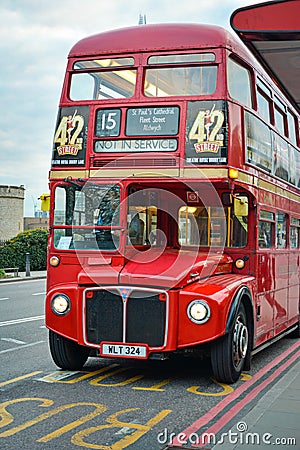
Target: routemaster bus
<point>175,201</point>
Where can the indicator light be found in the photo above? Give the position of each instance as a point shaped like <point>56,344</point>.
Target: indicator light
<point>233,173</point>
<point>239,263</point>
<point>54,261</point>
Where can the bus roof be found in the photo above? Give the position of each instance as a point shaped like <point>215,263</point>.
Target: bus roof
<point>271,30</point>
<point>155,37</point>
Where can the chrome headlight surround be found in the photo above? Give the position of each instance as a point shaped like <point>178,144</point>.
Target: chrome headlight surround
<point>60,304</point>
<point>198,311</point>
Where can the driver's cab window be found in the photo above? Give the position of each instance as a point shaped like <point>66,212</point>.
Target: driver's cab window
<point>142,218</point>
<point>86,216</point>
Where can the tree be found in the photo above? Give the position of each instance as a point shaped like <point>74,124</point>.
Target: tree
<point>34,242</point>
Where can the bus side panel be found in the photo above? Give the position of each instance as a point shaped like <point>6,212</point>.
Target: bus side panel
<point>265,297</point>
<point>281,291</point>
<point>294,288</point>
<point>265,318</point>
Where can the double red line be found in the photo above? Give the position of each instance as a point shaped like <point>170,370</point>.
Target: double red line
<point>292,353</point>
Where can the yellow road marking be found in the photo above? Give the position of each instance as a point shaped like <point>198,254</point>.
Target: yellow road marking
<point>99,409</point>
<point>96,381</point>
<point>155,387</point>
<point>226,390</point>
<point>14,380</point>
<point>113,422</point>
<point>51,378</point>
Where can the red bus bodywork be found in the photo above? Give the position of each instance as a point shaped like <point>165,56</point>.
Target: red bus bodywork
<point>252,293</point>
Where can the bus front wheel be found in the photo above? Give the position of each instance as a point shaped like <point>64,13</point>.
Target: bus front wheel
<point>296,333</point>
<point>66,354</point>
<point>228,354</point>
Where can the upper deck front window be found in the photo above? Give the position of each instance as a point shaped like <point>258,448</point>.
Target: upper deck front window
<point>182,58</point>
<point>113,79</point>
<point>180,80</point>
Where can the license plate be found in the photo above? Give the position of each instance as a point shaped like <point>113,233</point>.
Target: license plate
<point>123,351</point>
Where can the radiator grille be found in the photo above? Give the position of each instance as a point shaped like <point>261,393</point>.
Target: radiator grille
<point>104,317</point>
<point>145,320</point>
<point>138,317</point>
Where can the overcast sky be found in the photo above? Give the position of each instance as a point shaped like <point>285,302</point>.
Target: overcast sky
<point>35,39</point>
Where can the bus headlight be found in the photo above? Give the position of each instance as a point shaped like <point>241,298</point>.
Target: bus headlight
<point>198,311</point>
<point>61,304</point>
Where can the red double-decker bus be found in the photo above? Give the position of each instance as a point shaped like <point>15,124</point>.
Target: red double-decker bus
<point>175,201</point>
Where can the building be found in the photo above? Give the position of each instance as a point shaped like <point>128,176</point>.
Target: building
<point>11,211</point>
<point>30,223</point>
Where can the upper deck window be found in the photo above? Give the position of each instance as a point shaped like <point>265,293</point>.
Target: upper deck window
<point>92,84</point>
<point>179,79</point>
<point>292,128</point>
<point>279,116</point>
<point>264,106</point>
<point>100,63</point>
<point>264,101</point>
<point>181,59</point>
<point>279,120</point>
<point>239,82</point>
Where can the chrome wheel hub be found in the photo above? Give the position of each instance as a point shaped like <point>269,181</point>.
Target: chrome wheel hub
<point>240,341</point>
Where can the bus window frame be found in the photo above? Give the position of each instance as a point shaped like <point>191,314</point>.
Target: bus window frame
<point>286,232</point>
<point>296,227</point>
<point>72,71</point>
<point>146,66</point>
<point>282,127</point>
<point>243,64</point>
<point>178,67</point>
<point>226,218</point>
<point>72,227</point>
<point>261,94</point>
<point>272,221</point>
<point>291,122</point>
<point>218,52</point>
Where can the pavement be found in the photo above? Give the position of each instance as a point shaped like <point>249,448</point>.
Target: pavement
<point>33,275</point>
<point>273,421</point>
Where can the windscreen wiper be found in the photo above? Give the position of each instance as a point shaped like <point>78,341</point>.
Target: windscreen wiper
<point>75,182</point>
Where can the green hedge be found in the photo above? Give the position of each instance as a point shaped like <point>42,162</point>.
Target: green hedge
<point>34,242</point>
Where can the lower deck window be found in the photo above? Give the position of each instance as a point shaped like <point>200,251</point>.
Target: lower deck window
<point>212,226</point>
<point>294,232</point>
<point>265,234</point>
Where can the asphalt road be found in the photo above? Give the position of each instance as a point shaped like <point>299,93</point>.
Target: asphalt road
<point>111,404</point>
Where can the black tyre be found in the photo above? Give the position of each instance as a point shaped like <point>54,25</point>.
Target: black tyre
<point>228,354</point>
<point>67,354</point>
<point>296,333</point>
